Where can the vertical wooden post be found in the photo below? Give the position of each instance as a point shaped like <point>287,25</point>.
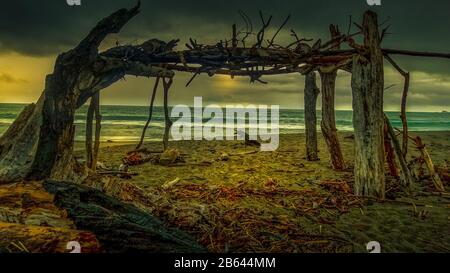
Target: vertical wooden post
<point>406,178</point>
<point>368,116</point>
<point>92,152</point>
<point>150,113</point>
<point>390,153</point>
<point>311,94</point>
<point>168,123</point>
<point>98,128</point>
<point>328,125</point>
<point>89,133</point>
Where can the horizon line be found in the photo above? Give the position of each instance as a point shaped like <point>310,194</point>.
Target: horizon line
<point>281,108</point>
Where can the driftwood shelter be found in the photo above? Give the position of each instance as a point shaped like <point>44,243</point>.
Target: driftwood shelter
<point>39,144</point>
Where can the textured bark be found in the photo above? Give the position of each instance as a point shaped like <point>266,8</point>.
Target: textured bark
<point>328,124</point>
<point>403,117</point>
<point>98,128</point>
<point>40,143</point>
<point>92,150</point>
<point>437,182</point>
<point>150,113</point>
<point>390,153</point>
<point>168,123</point>
<point>406,178</point>
<point>18,143</point>
<point>368,116</point>
<point>311,94</point>
<point>120,227</point>
<point>403,114</point>
<point>89,133</point>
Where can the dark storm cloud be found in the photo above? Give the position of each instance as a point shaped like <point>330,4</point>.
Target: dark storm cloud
<point>46,27</point>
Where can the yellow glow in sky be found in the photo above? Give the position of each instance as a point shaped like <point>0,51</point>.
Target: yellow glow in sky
<point>225,81</point>
<point>22,78</point>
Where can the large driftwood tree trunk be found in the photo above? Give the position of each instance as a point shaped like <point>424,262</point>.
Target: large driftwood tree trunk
<point>311,94</point>
<point>328,125</point>
<point>368,116</point>
<point>39,144</point>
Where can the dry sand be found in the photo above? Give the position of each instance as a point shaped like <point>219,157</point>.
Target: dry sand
<point>233,198</point>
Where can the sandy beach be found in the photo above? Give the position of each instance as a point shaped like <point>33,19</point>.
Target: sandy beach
<point>234,198</point>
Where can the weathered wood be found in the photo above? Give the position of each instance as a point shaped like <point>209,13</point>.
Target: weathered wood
<point>403,117</point>
<point>71,76</point>
<point>93,150</point>
<point>17,144</point>
<point>328,124</point>
<point>150,113</point>
<point>311,93</point>
<point>368,116</point>
<point>167,83</point>
<point>390,153</point>
<point>89,133</point>
<point>437,182</point>
<point>43,146</point>
<point>406,175</point>
<point>118,226</point>
<point>98,128</point>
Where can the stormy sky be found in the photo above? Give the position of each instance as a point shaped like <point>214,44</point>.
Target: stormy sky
<point>33,32</point>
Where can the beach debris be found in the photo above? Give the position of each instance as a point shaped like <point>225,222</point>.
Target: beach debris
<point>437,182</point>
<point>423,214</point>
<point>245,153</point>
<point>271,184</point>
<point>224,157</point>
<point>120,174</point>
<point>171,156</point>
<point>139,157</point>
<point>444,172</point>
<point>334,186</point>
<point>247,139</point>
<point>119,226</point>
<point>221,221</point>
<point>123,168</point>
<point>170,184</point>
<point>102,166</point>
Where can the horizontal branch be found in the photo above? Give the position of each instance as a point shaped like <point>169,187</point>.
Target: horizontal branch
<point>416,53</point>
<point>239,73</point>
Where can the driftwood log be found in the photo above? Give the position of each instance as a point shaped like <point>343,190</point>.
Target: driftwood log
<point>437,182</point>
<point>406,175</point>
<point>311,93</point>
<point>150,113</point>
<point>390,152</point>
<point>368,116</point>
<point>92,150</point>
<point>120,227</point>
<point>328,125</point>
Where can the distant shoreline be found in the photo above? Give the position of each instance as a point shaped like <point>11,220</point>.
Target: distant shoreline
<point>281,108</point>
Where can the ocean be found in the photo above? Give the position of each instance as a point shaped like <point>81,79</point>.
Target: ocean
<point>125,123</point>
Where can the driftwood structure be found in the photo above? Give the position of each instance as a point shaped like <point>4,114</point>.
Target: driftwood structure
<point>39,144</point>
